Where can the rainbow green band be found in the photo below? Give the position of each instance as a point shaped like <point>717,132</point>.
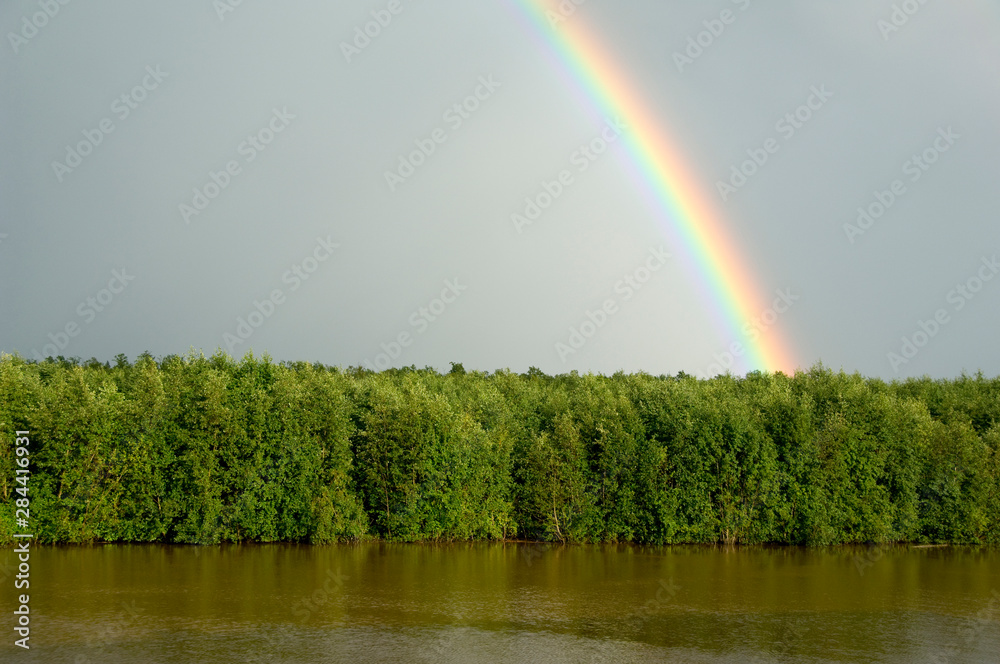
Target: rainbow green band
<point>691,218</point>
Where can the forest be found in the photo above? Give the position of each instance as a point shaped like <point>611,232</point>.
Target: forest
<point>205,450</point>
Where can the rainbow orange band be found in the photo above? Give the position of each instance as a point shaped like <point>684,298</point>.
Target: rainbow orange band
<point>720,267</point>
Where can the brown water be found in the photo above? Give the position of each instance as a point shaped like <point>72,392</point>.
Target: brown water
<point>508,603</point>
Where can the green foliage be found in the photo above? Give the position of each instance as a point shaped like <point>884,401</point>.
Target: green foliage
<point>426,471</point>
<point>206,450</point>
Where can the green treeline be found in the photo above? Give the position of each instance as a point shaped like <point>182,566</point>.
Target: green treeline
<point>206,450</point>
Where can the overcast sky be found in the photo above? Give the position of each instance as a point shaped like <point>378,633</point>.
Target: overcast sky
<point>201,175</point>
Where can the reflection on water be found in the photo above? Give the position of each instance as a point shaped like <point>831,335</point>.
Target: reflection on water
<point>512,603</point>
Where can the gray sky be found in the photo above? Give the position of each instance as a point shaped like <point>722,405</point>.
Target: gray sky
<point>307,241</point>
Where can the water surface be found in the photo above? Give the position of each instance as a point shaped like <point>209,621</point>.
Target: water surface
<point>510,603</point>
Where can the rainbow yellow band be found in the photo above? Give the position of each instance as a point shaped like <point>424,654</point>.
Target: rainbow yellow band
<point>695,221</point>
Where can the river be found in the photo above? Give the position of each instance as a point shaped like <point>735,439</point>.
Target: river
<point>513,602</point>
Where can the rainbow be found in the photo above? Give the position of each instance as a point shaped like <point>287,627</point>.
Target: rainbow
<point>659,161</point>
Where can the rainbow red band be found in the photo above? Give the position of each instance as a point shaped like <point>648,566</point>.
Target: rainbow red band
<point>720,268</point>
